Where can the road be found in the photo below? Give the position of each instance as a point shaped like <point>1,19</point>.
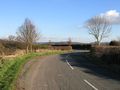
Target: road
<point>61,72</point>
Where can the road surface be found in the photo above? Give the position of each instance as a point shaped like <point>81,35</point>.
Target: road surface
<point>61,72</point>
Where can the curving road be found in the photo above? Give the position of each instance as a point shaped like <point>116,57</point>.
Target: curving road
<point>61,72</point>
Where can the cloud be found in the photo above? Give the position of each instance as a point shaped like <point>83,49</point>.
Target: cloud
<point>113,16</point>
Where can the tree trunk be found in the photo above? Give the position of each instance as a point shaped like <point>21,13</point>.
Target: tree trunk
<point>27,49</point>
<point>98,42</point>
<point>30,47</point>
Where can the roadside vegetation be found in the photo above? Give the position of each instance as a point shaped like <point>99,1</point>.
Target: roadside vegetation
<point>106,56</point>
<point>9,70</point>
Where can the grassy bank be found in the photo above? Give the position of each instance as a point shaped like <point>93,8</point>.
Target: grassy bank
<point>11,68</point>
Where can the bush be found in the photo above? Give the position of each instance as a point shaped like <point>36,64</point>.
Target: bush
<point>61,47</point>
<point>108,54</point>
<point>114,43</point>
<point>14,45</point>
<point>38,46</point>
<point>1,48</point>
<point>9,47</point>
<point>81,46</point>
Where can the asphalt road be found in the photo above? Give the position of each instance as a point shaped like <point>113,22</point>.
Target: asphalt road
<point>61,72</point>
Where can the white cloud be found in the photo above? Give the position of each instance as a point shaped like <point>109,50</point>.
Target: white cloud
<point>113,16</point>
<point>112,13</point>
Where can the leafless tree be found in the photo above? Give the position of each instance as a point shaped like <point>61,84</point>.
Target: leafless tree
<point>119,39</point>
<point>69,41</point>
<point>28,34</point>
<point>11,38</point>
<point>99,27</point>
<point>49,43</point>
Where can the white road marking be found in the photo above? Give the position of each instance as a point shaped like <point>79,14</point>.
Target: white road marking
<point>90,84</point>
<point>69,64</point>
<point>84,79</point>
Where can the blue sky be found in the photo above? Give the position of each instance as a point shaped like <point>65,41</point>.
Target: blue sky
<point>57,20</point>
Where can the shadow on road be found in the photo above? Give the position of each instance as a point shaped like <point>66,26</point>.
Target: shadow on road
<point>87,67</point>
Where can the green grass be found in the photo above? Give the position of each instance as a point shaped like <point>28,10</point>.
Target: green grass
<point>10,70</point>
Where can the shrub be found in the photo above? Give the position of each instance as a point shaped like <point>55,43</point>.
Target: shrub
<point>38,46</point>
<point>109,54</point>
<point>114,43</point>
<point>81,46</point>
<point>61,47</point>
<point>1,48</point>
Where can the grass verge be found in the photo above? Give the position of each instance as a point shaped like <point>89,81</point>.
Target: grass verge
<point>11,68</point>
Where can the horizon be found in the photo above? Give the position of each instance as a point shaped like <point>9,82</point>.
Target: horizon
<point>58,20</point>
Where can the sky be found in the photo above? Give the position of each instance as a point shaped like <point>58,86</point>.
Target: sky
<point>58,20</point>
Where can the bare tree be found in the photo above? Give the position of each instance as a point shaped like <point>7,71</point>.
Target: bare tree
<point>28,34</point>
<point>119,39</point>
<point>11,38</point>
<point>99,27</point>
<point>49,43</point>
<point>69,41</point>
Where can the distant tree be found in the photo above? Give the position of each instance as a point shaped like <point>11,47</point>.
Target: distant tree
<point>28,34</point>
<point>69,41</point>
<point>119,39</point>
<point>50,43</point>
<point>99,27</point>
<point>11,38</point>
